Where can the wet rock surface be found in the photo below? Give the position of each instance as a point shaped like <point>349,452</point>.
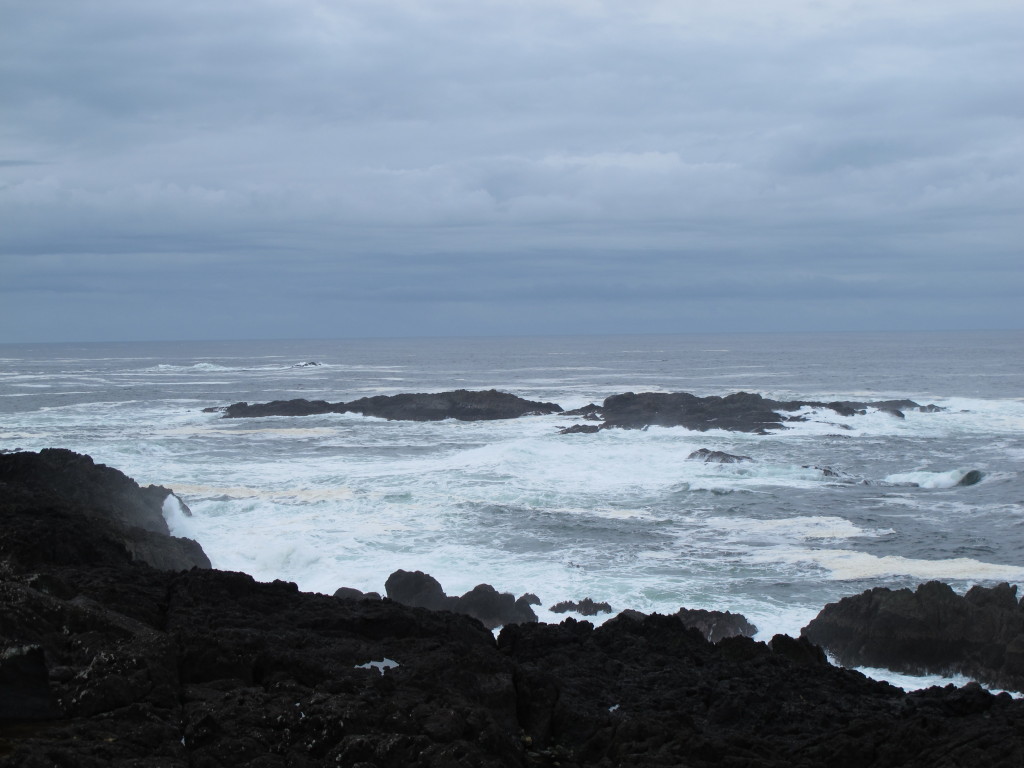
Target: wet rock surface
<point>716,625</point>
<point>931,630</point>
<point>124,664</point>
<point>738,412</point>
<point>461,404</point>
<point>484,603</point>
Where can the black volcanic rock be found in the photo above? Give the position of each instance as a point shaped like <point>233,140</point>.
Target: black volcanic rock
<point>928,631</point>
<point>297,407</point>
<point>464,405</point>
<point>741,411</point>
<point>107,661</point>
<point>971,477</point>
<point>484,603</point>
<point>585,607</point>
<point>461,404</point>
<point>85,512</point>
<point>738,412</point>
<point>715,625</point>
<point>649,692</point>
<point>419,590</point>
<point>716,457</point>
<point>579,429</point>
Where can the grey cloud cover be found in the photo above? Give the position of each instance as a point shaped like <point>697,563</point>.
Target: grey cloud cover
<point>303,168</point>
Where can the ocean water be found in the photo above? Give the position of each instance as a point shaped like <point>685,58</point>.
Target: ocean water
<point>828,508</point>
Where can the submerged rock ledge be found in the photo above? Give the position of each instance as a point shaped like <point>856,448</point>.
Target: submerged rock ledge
<point>107,660</point>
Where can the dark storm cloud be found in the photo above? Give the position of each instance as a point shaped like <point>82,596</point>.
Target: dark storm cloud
<point>500,165</point>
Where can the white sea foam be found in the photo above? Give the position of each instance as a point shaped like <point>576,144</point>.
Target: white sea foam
<point>920,682</point>
<point>849,565</point>
<point>794,528</point>
<point>179,521</point>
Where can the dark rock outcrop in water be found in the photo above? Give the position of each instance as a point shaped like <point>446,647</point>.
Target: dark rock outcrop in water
<point>108,661</point>
<point>738,412</point>
<point>461,404</point>
<point>483,602</point>
<point>585,607</point>
<point>929,631</point>
<point>716,457</point>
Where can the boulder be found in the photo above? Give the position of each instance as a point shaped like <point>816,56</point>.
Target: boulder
<point>483,602</point>
<point>296,407</point>
<point>738,412</point>
<point>348,593</point>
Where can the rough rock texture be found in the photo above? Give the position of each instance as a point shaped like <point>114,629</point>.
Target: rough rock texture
<point>715,625</point>
<point>930,630</point>
<point>585,607</point>
<point>84,512</point>
<point>483,602</point>
<point>738,412</point>
<point>716,457</point>
<point>348,593</point>
<point>105,661</point>
<point>460,404</point>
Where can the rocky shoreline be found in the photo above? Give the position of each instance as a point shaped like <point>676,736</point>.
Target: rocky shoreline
<point>124,648</point>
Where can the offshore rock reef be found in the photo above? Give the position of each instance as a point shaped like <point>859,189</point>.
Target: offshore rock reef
<point>108,656</point>
<point>460,404</point>
<point>738,412</point>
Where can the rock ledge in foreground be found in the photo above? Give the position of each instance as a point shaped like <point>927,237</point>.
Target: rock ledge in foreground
<point>929,631</point>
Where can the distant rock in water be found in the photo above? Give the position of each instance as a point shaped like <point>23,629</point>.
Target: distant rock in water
<point>579,429</point>
<point>929,631</point>
<point>483,602</point>
<point>716,457</point>
<point>585,607</point>
<point>738,412</point>
<point>297,407</point>
<point>310,364</point>
<point>715,625</point>
<point>461,404</point>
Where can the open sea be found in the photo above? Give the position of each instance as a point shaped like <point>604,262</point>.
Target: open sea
<point>828,508</point>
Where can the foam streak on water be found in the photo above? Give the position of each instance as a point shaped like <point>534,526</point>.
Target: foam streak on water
<point>828,508</point>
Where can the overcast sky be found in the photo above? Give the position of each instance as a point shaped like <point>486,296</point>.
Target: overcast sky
<point>328,168</point>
